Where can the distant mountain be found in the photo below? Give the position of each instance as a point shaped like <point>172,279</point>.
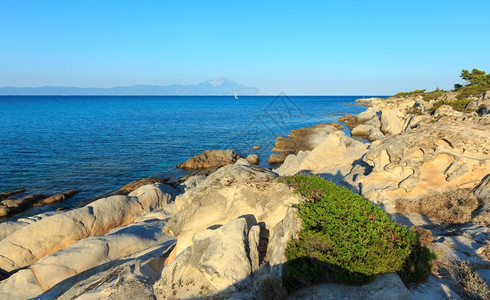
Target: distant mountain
<point>215,87</point>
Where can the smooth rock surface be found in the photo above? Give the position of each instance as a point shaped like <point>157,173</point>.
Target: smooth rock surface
<point>336,150</point>
<point>436,157</point>
<point>210,159</point>
<point>60,271</point>
<point>30,243</point>
<point>482,193</point>
<point>132,186</point>
<point>275,159</point>
<point>216,260</point>
<point>385,286</point>
<point>253,159</point>
<point>230,192</point>
<point>303,139</point>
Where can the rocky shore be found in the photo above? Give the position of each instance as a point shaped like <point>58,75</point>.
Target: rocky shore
<point>223,233</point>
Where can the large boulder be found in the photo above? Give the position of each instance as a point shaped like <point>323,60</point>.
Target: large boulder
<point>393,120</point>
<point>279,236</point>
<point>335,151</point>
<point>362,130</point>
<point>253,159</point>
<point>230,192</point>
<point>303,139</point>
<point>30,243</point>
<point>210,159</point>
<point>276,159</point>
<point>217,259</point>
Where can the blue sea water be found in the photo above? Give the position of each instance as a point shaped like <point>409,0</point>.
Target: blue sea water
<point>51,144</point>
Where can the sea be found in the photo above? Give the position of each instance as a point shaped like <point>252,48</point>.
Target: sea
<point>51,144</point>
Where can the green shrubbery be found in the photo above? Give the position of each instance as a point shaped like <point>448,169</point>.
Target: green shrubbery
<point>434,94</point>
<point>412,93</point>
<point>348,239</point>
<point>458,104</point>
<point>477,82</point>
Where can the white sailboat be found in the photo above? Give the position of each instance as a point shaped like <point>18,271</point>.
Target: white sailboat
<point>236,96</point>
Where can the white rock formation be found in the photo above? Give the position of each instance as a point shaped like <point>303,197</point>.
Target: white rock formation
<point>52,233</point>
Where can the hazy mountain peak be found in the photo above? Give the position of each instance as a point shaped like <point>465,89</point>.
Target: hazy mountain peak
<point>217,86</point>
<point>218,81</point>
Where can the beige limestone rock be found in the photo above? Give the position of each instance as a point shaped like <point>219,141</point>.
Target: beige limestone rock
<point>230,192</point>
<point>57,272</point>
<point>275,159</point>
<point>375,135</point>
<point>446,110</point>
<point>392,121</point>
<point>210,159</point>
<point>280,235</point>
<point>362,130</point>
<point>9,227</point>
<point>385,286</point>
<point>336,150</point>
<point>10,206</point>
<point>217,259</point>
<point>349,120</point>
<point>4,210</point>
<point>367,115</point>
<point>435,157</point>
<point>30,243</point>
<point>132,186</point>
<point>253,159</point>
<point>303,139</point>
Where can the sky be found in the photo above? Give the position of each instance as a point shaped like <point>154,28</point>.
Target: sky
<point>296,47</point>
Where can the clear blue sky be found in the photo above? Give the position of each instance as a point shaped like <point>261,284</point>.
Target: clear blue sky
<point>299,47</point>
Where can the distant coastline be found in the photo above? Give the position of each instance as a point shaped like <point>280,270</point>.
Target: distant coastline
<point>217,87</point>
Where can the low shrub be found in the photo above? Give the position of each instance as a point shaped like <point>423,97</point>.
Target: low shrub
<point>348,239</point>
<point>412,93</point>
<point>458,104</point>
<point>434,94</point>
<point>473,286</point>
<point>425,236</point>
<point>472,91</point>
<point>452,207</point>
<point>486,250</point>
<point>272,288</point>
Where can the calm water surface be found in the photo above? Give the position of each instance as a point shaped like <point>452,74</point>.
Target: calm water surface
<point>52,144</point>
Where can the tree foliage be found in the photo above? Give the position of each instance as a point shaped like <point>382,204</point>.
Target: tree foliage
<point>477,82</point>
<point>475,77</point>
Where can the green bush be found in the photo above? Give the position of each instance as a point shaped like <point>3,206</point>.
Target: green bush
<point>472,91</point>
<point>412,93</point>
<point>434,94</point>
<point>458,104</point>
<point>347,239</point>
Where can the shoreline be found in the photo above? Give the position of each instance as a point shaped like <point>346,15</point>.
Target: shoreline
<point>97,191</point>
<point>238,219</point>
